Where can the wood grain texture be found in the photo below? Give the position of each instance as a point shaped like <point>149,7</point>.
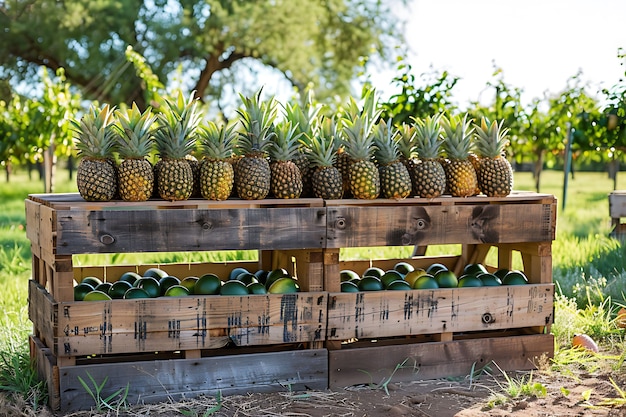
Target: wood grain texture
<point>417,361</point>
<point>378,314</point>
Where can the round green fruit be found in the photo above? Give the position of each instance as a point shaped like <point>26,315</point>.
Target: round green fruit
<point>156,273</point>
<point>96,295</point>
<point>373,271</point>
<point>370,283</point>
<point>403,267</point>
<point>446,279</point>
<point>414,275</point>
<point>515,278</point>
<point>469,281</point>
<point>189,283</point>
<point>207,284</point>
<point>349,286</point>
<point>391,276</point>
<point>81,290</point>
<point>119,288</point>
<point>234,287</point>
<point>176,290</point>
<point>166,282</point>
<point>274,275</point>
<point>236,271</point>
<point>490,280</point>
<point>261,275</point>
<point>93,281</point>
<point>347,275</point>
<point>104,287</point>
<point>285,285</point>
<point>501,273</point>
<point>129,277</point>
<point>247,278</point>
<point>256,288</point>
<point>399,285</point>
<point>425,282</point>
<point>134,292</point>
<point>149,285</point>
<point>474,269</point>
<point>436,267</point>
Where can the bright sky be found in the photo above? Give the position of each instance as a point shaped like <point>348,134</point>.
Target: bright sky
<point>539,44</point>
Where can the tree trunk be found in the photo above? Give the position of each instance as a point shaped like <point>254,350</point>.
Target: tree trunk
<point>50,160</point>
<point>7,171</point>
<point>71,165</point>
<point>537,168</point>
<point>613,169</point>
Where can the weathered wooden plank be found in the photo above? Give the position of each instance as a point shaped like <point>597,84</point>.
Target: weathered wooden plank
<point>159,381</point>
<point>409,362</point>
<point>186,323</point>
<point>189,230</point>
<point>46,370</point>
<point>617,204</point>
<point>378,314</point>
<point>402,225</point>
<point>42,312</point>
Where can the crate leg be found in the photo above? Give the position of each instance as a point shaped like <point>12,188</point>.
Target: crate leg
<point>331,270</point>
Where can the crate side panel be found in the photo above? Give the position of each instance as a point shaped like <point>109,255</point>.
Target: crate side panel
<point>32,221</point>
<point>172,380</point>
<point>42,311</point>
<point>47,370</point>
<point>188,323</point>
<point>617,204</point>
<point>113,231</point>
<point>421,361</point>
<point>403,225</point>
<point>378,314</point>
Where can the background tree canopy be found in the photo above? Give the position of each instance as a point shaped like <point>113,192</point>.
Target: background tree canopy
<point>213,43</point>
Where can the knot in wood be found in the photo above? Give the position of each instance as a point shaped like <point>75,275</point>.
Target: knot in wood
<point>107,239</point>
<point>488,318</point>
<point>340,223</point>
<point>207,225</point>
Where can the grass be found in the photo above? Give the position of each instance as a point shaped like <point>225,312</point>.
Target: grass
<point>589,268</point>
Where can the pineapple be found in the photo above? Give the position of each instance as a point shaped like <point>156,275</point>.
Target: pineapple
<point>285,179</point>
<point>395,181</point>
<point>460,173</point>
<point>342,163</point>
<point>306,119</point>
<point>175,140</point>
<point>408,153</point>
<point>252,171</point>
<point>135,143</point>
<point>495,176</point>
<point>358,141</point>
<point>96,177</point>
<point>429,175</point>
<point>216,171</point>
<point>326,179</point>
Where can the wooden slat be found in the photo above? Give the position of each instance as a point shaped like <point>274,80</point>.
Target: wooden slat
<point>409,362</point>
<point>395,313</point>
<point>187,323</point>
<point>42,312</point>
<point>164,381</point>
<point>402,225</point>
<point>189,230</point>
<point>46,370</point>
<point>617,204</point>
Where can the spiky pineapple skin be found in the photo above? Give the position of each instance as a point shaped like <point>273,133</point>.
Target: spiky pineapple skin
<point>395,181</point>
<point>252,177</point>
<point>364,180</point>
<point>175,179</point>
<point>96,179</point>
<point>327,183</point>
<point>461,179</point>
<point>136,180</point>
<point>306,174</point>
<point>495,178</point>
<point>342,163</point>
<point>429,178</point>
<point>216,179</point>
<point>285,179</point>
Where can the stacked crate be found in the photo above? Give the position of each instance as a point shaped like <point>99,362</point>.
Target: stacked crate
<point>318,338</point>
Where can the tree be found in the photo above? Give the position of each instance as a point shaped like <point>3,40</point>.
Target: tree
<point>213,42</point>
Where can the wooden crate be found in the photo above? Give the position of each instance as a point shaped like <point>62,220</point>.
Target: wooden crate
<point>158,377</point>
<point>617,210</point>
<point>74,329</point>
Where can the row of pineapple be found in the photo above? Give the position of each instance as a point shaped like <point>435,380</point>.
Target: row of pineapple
<point>301,154</point>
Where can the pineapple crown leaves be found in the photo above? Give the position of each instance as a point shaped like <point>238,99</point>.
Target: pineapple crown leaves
<point>283,145</point>
<point>406,140</point>
<point>357,126</point>
<point>428,138</point>
<point>134,131</point>
<point>323,150</point>
<point>491,138</point>
<point>307,117</point>
<point>217,142</point>
<point>93,133</point>
<point>457,135</point>
<point>257,118</point>
<point>176,136</point>
<point>385,139</point>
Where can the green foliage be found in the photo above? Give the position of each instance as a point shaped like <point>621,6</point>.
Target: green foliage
<point>115,401</point>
